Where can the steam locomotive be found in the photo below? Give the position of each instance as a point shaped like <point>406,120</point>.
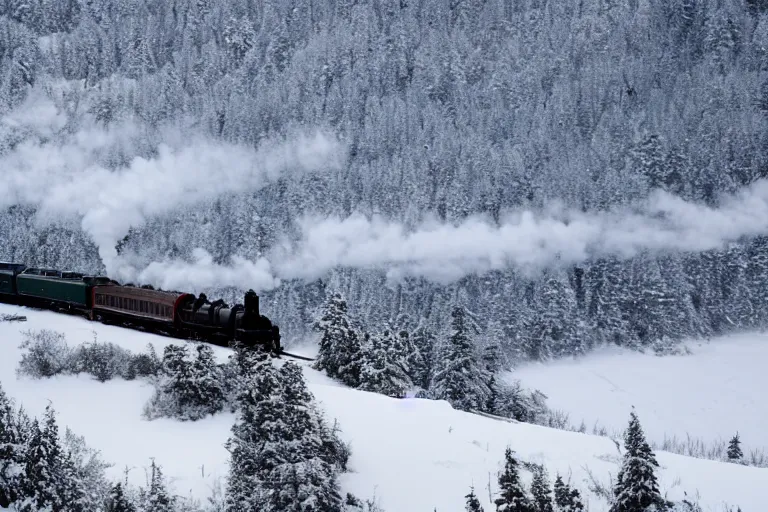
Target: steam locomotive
<point>176,314</point>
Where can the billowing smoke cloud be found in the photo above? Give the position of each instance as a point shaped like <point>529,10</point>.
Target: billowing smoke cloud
<point>443,253</point>
<point>64,176</point>
<point>202,273</point>
<point>526,241</point>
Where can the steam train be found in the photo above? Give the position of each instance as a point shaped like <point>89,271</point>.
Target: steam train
<point>176,314</point>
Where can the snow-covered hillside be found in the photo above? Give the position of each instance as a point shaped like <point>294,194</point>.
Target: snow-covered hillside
<point>710,394</point>
<point>413,455</point>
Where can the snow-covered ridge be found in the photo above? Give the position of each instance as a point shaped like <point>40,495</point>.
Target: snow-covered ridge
<point>413,455</point>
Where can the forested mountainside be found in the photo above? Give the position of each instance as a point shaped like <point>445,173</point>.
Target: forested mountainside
<point>444,108</point>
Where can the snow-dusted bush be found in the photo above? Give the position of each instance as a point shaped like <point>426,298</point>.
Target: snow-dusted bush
<point>102,360</point>
<point>47,354</point>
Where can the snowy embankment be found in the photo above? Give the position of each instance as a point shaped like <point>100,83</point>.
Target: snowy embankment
<point>413,455</point>
<point>710,394</point>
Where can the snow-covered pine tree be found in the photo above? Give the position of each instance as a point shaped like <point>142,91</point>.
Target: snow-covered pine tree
<point>174,394</point>
<point>421,360</point>
<point>157,498</point>
<point>340,346</point>
<point>118,501</point>
<point>541,491</point>
<point>188,389</point>
<point>461,378</point>
<point>492,358</point>
<point>207,381</point>
<point>74,492</point>
<point>282,455</point>
<point>636,488</point>
<point>382,367</point>
<point>145,364</point>
<point>304,481</point>
<point>734,449</point>
<point>256,434</point>
<point>472,504</point>
<point>11,452</point>
<point>513,497</point>
<point>566,499</point>
<point>88,488</point>
<point>43,483</point>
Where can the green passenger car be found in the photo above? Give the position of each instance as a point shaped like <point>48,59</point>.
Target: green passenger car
<point>8,273</point>
<point>59,287</point>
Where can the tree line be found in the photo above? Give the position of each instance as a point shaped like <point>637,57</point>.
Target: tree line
<point>410,359</point>
<point>449,108</point>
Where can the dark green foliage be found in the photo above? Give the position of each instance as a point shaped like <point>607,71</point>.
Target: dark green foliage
<point>43,480</point>
<point>541,491</point>
<point>566,499</point>
<point>340,346</point>
<point>283,457</point>
<point>118,502</point>
<point>637,487</point>
<point>11,452</point>
<point>421,362</point>
<point>473,504</point>
<point>513,497</point>
<point>734,448</point>
<point>189,389</point>
<point>383,365</point>
<point>461,378</point>
<point>156,497</point>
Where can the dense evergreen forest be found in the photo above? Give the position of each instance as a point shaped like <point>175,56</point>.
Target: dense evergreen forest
<point>448,108</point>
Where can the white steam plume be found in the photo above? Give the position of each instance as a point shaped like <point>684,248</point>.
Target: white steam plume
<point>202,273</point>
<point>444,253</point>
<point>526,241</point>
<point>65,178</point>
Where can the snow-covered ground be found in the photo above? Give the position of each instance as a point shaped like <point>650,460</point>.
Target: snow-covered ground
<point>413,455</point>
<point>718,390</point>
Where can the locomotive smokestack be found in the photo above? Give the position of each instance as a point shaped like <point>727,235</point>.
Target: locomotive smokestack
<point>252,304</point>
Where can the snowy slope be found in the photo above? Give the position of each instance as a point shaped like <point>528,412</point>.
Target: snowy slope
<point>414,455</point>
<point>711,394</point>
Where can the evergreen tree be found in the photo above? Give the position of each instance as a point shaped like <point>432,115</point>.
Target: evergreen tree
<point>118,501</point>
<point>492,358</point>
<point>513,497</point>
<point>421,360</point>
<point>340,347</point>
<point>306,479</point>
<point>281,457</point>
<point>207,381</point>
<point>156,498</point>
<point>541,491</point>
<point>86,486</point>
<point>734,448</point>
<point>382,367</point>
<point>636,488</point>
<point>73,490</point>
<point>43,485</point>
<point>11,453</point>
<point>566,499</point>
<point>473,504</point>
<point>461,379</point>
<point>188,389</point>
<point>255,434</point>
